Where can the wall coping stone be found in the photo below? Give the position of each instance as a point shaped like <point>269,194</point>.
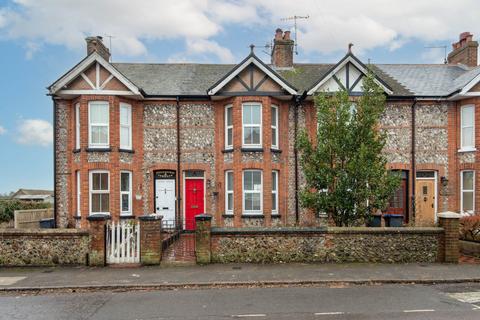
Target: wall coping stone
<point>449,215</point>
<point>150,217</point>
<point>323,230</point>
<point>44,232</point>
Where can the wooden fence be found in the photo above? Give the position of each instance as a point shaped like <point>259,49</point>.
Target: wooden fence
<point>30,219</point>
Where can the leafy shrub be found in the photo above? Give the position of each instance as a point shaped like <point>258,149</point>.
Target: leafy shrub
<point>470,228</point>
<point>7,207</point>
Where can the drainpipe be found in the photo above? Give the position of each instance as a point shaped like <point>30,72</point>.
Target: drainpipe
<point>55,203</point>
<point>413,164</point>
<point>179,194</point>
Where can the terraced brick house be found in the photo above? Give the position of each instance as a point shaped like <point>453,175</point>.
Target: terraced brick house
<point>182,139</point>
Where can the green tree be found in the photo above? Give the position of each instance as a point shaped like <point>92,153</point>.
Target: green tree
<point>345,170</point>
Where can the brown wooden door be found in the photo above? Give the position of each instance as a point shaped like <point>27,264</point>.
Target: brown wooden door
<point>425,202</point>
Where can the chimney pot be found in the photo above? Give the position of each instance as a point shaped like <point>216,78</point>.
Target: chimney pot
<point>278,34</point>
<point>286,35</point>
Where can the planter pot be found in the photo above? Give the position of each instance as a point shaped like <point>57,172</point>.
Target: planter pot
<point>393,220</point>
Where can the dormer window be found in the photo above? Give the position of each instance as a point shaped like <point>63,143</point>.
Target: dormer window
<point>252,125</point>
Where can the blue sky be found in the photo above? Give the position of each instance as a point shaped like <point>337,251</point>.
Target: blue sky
<point>41,39</point>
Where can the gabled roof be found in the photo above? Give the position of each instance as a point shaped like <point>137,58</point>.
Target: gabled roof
<point>83,65</point>
<point>251,59</point>
<point>348,58</point>
<point>28,193</point>
<point>191,79</point>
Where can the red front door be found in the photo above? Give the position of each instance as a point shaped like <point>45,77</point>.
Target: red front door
<point>194,201</point>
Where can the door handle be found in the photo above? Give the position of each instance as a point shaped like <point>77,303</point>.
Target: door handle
<point>194,207</point>
<point>165,208</point>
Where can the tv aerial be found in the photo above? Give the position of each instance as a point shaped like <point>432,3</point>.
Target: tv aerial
<point>295,18</point>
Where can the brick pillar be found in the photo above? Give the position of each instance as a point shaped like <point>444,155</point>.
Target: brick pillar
<point>97,254</point>
<point>449,221</point>
<point>150,239</point>
<point>203,238</point>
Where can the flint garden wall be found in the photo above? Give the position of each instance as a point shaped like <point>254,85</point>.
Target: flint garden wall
<point>329,244</point>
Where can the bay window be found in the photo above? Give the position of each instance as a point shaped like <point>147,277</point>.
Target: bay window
<point>274,115</point>
<point>125,126</point>
<point>467,191</point>
<point>252,124</point>
<point>99,186</point>
<point>98,124</point>
<point>252,192</point>
<point>229,192</point>
<point>274,192</point>
<point>228,127</point>
<point>467,128</point>
<point>125,193</point>
<point>77,126</point>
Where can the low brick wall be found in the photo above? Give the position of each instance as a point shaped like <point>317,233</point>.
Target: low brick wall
<point>279,245</point>
<point>43,247</point>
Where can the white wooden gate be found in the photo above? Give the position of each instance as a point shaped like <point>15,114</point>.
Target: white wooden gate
<point>123,242</point>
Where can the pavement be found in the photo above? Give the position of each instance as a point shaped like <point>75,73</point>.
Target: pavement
<point>231,275</point>
<point>379,302</point>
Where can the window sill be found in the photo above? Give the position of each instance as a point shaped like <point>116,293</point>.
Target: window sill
<point>77,217</point>
<point>251,149</point>
<point>228,215</point>
<point>227,150</point>
<point>276,216</point>
<point>275,150</point>
<point>76,150</point>
<point>252,215</point>
<point>467,150</point>
<point>98,149</point>
<point>126,150</point>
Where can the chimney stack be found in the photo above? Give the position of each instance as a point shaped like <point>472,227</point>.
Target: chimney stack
<point>465,51</point>
<point>96,44</point>
<point>282,52</point>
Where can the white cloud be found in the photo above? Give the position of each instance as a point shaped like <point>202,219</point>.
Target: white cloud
<point>2,130</point>
<point>35,132</point>
<point>331,26</point>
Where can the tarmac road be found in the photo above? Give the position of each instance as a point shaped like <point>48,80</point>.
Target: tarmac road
<point>454,301</point>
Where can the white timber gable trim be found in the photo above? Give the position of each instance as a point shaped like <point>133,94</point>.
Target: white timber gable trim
<point>97,87</point>
<point>262,67</point>
<point>348,75</point>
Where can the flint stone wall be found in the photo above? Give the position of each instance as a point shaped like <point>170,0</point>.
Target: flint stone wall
<point>43,247</point>
<point>197,140</point>
<point>282,245</point>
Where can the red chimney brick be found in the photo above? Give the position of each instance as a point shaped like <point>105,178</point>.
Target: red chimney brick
<point>465,51</point>
<point>282,52</point>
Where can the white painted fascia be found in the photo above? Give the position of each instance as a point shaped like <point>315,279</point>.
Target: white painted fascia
<point>250,60</point>
<point>340,66</point>
<point>75,72</point>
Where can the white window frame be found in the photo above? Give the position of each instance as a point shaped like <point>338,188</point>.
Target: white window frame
<point>462,147</point>
<point>127,107</point>
<point>227,192</point>
<point>77,126</point>
<point>463,190</point>
<point>277,144</point>
<point>228,127</point>
<point>91,192</point>
<point>79,193</point>
<point>90,124</point>
<point>129,193</point>
<point>275,191</point>
<point>259,145</point>
<point>252,212</point>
